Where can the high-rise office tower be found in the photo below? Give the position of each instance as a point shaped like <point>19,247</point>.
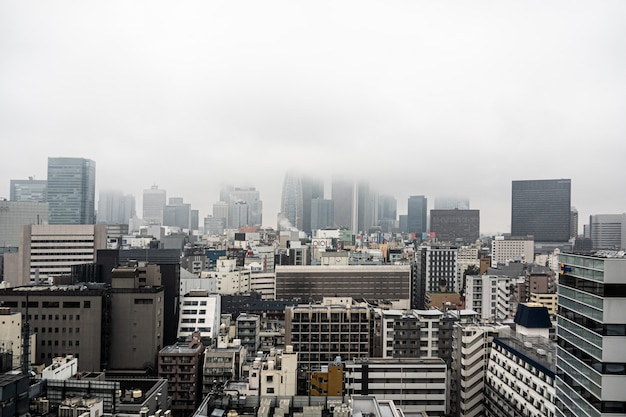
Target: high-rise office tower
<point>115,207</point>
<point>71,190</point>
<point>154,205</point>
<point>321,213</point>
<point>292,201</point>
<point>455,225</point>
<point>451,203</point>
<point>343,196</point>
<point>573,229</point>
<point>254,207</point>
<point>177,214</point>
<point>221,211</point>
<point>29,190</point>
<point>591,358</point>
<point>541,208</point>
<point>312,188</point>
<point>417,215</point>
<point>387,207</point>
<point>366,207</point>
<point>608,231</point>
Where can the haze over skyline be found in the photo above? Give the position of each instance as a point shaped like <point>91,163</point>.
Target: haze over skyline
<point>420,98</point>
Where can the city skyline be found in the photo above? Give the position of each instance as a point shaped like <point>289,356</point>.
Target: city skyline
<point>419,99</point>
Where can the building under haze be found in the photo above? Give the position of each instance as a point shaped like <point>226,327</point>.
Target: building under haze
<point>14,214</point>
<point>154,200</point>
<point>608,231</point>
<point>71,191</point>
<point>115,207</point>
<point>455,225</point>
<point>417,215</point>
<point>451,203</point>
<point>29,190</point>
<point>343,196</point>
<point>292,201</point>
<point>177,214</point>
<point>541,208</point>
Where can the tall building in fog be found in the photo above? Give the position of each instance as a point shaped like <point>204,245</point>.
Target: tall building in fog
<point>154,200</point>
<point>541,208</point>
<point>573,232</point>
<point>177,214</point>
<point>343,196</point>
<point>29,190</point>
<point>366,207</point>
<point>71,191</point>
<point>312,188</point>
<point>455,226</point>
<point>321,213</point>
<point>292,201</point>
<point>251,198</point>
<point>417,215</point>
<point>451,203</point>
<point>115,207</point>
<point>608,231</point>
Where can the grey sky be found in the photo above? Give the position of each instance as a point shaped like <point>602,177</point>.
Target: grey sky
<point>433,98</point>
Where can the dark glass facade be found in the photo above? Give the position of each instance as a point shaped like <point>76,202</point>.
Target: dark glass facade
<point>541,208</point>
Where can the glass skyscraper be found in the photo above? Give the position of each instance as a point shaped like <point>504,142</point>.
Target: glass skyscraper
<point>417,215</point>
<point>541,208</point>
<point>591,353</point>
<point>71,190</point>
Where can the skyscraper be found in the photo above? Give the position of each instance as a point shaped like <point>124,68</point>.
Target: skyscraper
<point>312,188</point>
<point>541,208</point>
<point>114,207</point>
<point>343,196</point>
<point>591,359</point>
<point>29,190</point>
<point>608,231</point>
<point>292,201</point>
<point>154,205</point>
<point>417,215</point>
<point>455,225</point>
<point>71,190</point>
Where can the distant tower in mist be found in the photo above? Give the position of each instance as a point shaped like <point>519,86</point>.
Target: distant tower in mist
<point>154,200</point>
<point>71,190</point>
<point>417,215</point>
<point>292,202</point>
<point>343,196</point>
<point>114,207</point>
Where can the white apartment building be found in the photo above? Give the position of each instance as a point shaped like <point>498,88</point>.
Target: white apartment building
<point>522,368</point>
<point>229,279</point>
<point>414,385</point>
<point>489,296</point>
<point>199,312</point>
<point>470,350</point>
<point>504,249</point>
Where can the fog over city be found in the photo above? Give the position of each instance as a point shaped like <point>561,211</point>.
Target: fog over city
<point>420,98</point>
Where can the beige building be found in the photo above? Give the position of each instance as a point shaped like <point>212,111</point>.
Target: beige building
<point>547,300</point>
<point>66,319</point>
<point>11,336</point>
<point>48,251</point>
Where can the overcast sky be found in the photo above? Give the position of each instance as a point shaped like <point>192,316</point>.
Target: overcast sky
<point>423,98</point>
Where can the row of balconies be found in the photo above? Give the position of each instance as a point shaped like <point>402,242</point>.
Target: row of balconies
<point>333,328</point>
